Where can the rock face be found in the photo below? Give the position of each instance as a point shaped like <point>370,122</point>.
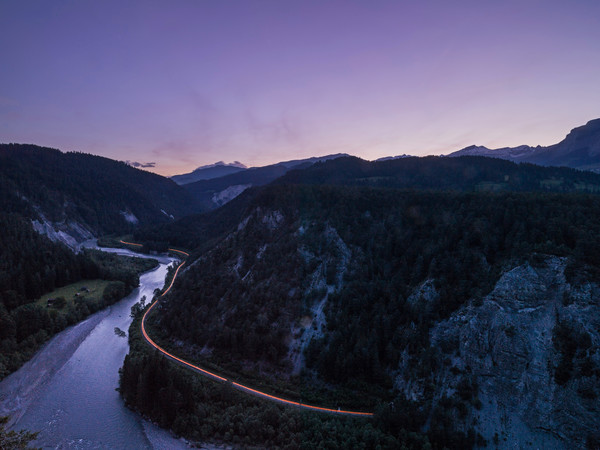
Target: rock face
<point>72,234</point>
<point>513,346</point>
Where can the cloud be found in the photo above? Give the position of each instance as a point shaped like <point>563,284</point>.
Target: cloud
<point>141,165</point>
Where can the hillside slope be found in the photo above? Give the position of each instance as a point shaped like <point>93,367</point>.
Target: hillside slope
<point>218,191</point>
<point>83,195</point>
<point>467,173</point>
<point>370,290</point>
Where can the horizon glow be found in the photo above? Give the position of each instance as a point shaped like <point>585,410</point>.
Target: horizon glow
<point>184,84</point>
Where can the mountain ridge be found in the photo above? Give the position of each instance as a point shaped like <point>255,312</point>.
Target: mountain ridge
<point>215,192</point>
<point>76,191</point>
<point>208,172</point>
<point>580,149</point>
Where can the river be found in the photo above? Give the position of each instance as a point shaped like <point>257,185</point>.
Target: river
<point>67,391</point>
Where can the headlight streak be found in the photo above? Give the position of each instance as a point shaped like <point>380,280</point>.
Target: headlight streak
<point>219,378</point>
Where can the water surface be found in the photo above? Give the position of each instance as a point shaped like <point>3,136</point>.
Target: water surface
<point>68,390</point>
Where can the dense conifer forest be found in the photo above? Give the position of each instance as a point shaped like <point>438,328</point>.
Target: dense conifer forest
<point>248,292</point>
<point>465,173</point>
<point>32,265</point>
<point>461,174</point>
<point>96,192</point>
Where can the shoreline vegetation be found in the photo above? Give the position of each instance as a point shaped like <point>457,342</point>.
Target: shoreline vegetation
<point>203,410</point>
<point>27,324</point>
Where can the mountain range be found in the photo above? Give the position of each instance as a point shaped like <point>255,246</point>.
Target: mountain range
<point>470,174</point>
<point>457,298</point>
<point>580,149</point>
<point>215,192</point>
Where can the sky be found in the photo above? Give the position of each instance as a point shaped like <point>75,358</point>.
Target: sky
<point>185,83</point>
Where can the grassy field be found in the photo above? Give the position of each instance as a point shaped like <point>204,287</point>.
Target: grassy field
<point>95,287</point>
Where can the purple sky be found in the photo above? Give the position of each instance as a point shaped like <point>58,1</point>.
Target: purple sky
<point>186,83</point>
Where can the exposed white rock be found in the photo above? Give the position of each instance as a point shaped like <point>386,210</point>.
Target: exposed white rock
<point>72,234</point>
<point>130,217</point>
<point>226,195</point>
<point>167,214</point>
<point>272,219</point>
<point>506,343</point>
<point>313,326</point>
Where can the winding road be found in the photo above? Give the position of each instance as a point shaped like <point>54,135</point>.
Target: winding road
<point>219,378</point>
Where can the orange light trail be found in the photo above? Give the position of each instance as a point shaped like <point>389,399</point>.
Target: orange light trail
<point>131,243</point>
<point>179,251</point>
<point>222,379</point>
<point>140,245</point>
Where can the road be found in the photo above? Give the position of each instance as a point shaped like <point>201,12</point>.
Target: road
<point>216,377</point>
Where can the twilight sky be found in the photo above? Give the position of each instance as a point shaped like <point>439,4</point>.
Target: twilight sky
<point>187,83</point>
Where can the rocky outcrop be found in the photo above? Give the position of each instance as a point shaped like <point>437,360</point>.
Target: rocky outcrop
<point>532,346</point>
<point>70,233</point>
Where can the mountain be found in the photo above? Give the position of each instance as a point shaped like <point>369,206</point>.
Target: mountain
<point>73,196</point>
<point>218,191</point>
<point>463,317</point>
<point>432,173</point>
<point>510,153</point>
<point>580,149</point>
<point>49,198</point>
<point>216,170</point>
<point>466,173</point>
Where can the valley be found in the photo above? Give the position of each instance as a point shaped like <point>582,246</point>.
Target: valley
<point>328,225</point>
<point>393,303</point>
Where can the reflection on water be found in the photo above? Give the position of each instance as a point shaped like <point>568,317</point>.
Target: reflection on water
<point>78,406</point>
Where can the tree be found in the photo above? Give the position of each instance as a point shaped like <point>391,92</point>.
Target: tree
<point>10,439</point>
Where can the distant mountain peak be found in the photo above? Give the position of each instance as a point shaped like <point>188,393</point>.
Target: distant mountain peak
<point>580,149</point>
<point>389,158</point>
<point>224,164</point>
<point>210,171</point>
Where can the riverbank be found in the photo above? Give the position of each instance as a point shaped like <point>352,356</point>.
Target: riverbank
<point>67,391</point>
<point>18,389</point>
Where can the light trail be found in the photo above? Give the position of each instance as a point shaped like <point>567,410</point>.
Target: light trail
<point>131,243</point>
<point>216,377</point>
<point>141,245</point>
<point>179,251</point>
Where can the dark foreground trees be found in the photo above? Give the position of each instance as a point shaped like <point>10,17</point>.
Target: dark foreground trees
<point>16,440</point>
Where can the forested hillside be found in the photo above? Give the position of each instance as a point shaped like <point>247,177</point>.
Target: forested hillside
<point>466,173</point>
<point>32,265</point>
<point>335,292</point>
<point>215,192</point>
<point>96,194</point>
<point>197,231</point>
